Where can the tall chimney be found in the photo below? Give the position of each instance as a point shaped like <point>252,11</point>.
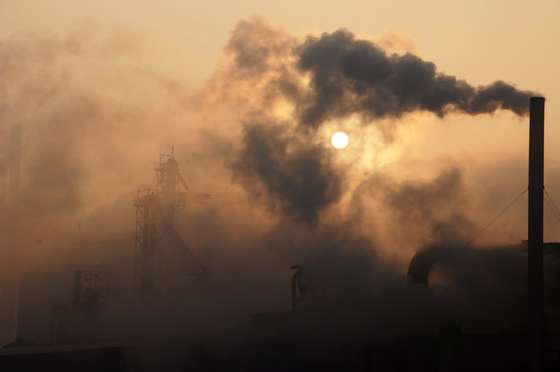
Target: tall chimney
<point>535,261</point>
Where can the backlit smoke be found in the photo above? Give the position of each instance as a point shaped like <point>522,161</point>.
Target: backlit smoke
<point>297,175</point>
<point>252,130</point>
<point>331,77</point>
<point>350,75</point>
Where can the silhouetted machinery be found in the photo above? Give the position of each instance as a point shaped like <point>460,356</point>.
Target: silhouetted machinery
<point>82,320</point>
<point>438,260</point>
<point>299,287</point>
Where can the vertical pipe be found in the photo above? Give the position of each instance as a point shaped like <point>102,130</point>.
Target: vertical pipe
<point>294,292</point>
<point>298,290</point>
<point>77,287</point>
<point>535,226</point>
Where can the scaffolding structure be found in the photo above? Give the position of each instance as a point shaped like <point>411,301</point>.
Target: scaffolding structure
<point>147,215</point>
<point>155,216</point>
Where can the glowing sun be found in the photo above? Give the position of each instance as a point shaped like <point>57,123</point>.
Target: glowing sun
<point>339,140</point>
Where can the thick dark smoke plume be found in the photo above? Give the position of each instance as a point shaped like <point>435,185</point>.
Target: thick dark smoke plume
<point>296,175</point>
<point>357,76</point>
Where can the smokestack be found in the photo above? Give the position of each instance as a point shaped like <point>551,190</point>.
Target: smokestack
<point>535,261</point>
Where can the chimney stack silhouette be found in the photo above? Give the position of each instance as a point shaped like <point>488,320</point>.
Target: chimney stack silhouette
<point>535,227</point>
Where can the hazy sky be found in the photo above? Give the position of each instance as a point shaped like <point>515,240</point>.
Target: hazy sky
<point>479,41</point>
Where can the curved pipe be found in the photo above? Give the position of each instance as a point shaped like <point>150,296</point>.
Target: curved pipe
<point>297,287</point>
<point>420,267</point>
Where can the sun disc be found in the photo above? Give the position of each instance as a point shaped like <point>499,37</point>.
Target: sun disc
<point>339,140</point>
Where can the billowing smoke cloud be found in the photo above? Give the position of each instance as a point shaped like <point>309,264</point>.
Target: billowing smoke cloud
<point>416,201</point>
<point>415,212</point>
<point>334,76</point>
<point>295,176</point>
<point>349,76</point>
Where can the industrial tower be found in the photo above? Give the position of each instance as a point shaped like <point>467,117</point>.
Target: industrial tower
<point>155,217</point>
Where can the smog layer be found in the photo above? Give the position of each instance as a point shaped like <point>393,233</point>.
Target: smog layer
<point>266,189</point>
